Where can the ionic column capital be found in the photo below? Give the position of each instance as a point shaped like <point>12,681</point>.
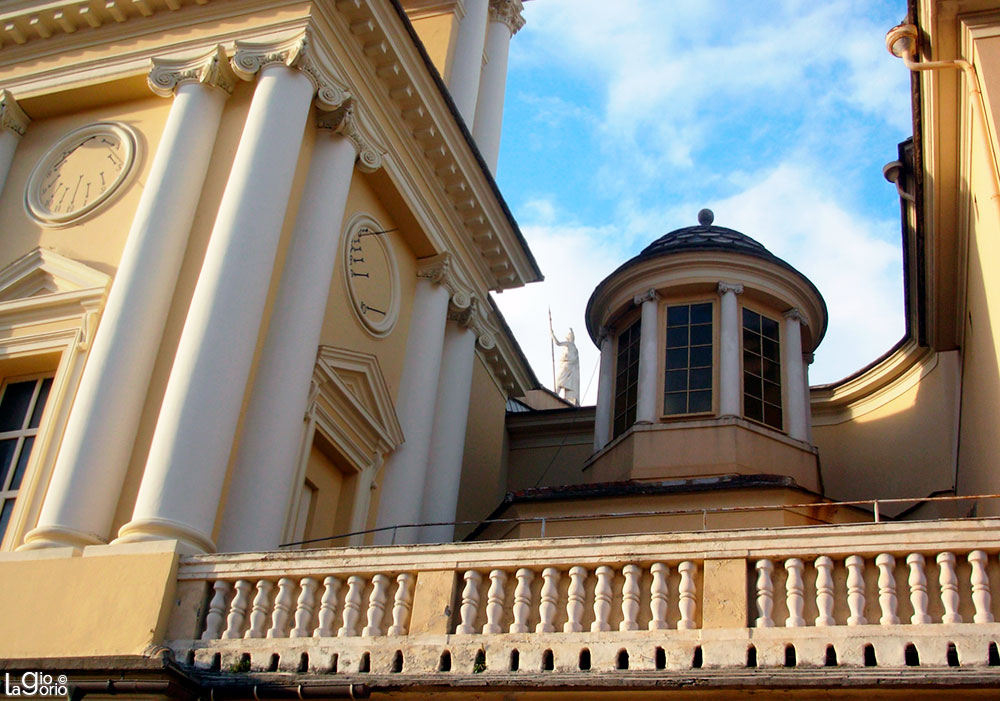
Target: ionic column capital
<point>345,122</point>
<point>647,296</point>
<point>604,333</point>
<point>733,287</point>
<point>794,314</point>
<point>12,117</point>
<point>211,69</point>
<point>439,270</point>
<point>508,12</point>
<point>297,51</point>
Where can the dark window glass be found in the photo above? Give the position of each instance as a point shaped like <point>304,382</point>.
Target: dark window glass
<point>43,394</point>
<point>7,448</point>
<point>626,378</point>
<point>21,407</point>
<point>14,405</point>
<point>687,386</point>
<point>761,369</point>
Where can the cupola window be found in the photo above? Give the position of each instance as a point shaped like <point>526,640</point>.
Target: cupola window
<point>687,387</point>
<point>761,369</point>
<point>626,378</point>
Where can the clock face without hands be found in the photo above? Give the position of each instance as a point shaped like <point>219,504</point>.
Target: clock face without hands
<point>81,172</point>
<point>370,271</point>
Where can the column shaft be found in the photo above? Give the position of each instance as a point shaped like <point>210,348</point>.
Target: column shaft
<point>796,416</point>
<point>447,446</point>
<point>646,402</point>
<point>406,467</point>
<point>492,86</point>
<point>262,481</point>
<point>605,394</point>
<point>729,350</point>
<point>94,455</point>
<point>13,124</point>
<point>182,484</point>
<point>467,62</point>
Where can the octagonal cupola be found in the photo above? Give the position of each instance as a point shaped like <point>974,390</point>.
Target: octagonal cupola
<point>706,327</point>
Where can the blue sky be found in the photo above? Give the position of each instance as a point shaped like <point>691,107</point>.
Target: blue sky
<point>624,118</point>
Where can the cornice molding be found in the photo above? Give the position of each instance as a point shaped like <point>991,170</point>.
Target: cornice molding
<point>297,51</point>
<point>508,12</point>
<point>12,117</point>
<point>345,121</point>
<point>211,69</point>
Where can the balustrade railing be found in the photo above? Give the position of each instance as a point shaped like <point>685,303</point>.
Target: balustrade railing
<point>864,595</point>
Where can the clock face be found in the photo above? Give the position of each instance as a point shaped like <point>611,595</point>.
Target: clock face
<point>80,173</point>
<point>370,271</point>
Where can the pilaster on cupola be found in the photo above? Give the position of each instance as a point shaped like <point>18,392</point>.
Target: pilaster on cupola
<point>13,124</point>
<point>94,455</point>
<point>182,484</point>
<point>466,329</point>
<point>649,324</point>
<point>263,479</point>
<point>605,388</point>
<point>505,20</point>
<point>437,288</point>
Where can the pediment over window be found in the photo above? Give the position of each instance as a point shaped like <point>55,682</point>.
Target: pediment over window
<point>43,272</point>
<point>351,391</point>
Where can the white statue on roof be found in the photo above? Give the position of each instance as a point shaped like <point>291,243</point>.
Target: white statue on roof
<point>568,369</point>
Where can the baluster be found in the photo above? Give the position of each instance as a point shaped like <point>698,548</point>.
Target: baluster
<point>261,610</point>
<point>522,600</point>
<point>238,610</point>
<point>794,593</point>
<point>918,589</point>
<point>282,607</point>
<point>401,605</point>
<point>856,590</point>
<point>658,592</point>
<point>949,588</point>
<point>327,608</point>
<point>630,598</point>
<point>304,608</point>
<point>376,606</point>
<point>887,589</point>
<point>494,603</point>
<point>602,599</point>
<point>765,594</point>
<point>470,603</point>
<point>547,600</point>
<point>824,591</point>
<point>352,607</point>
<point>981,598</point>
<point>686,593</point>
<point>216,610</point>
<point>574,600</point>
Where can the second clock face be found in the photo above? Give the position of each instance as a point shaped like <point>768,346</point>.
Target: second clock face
<point>371,275</point>
<point>81,172</point>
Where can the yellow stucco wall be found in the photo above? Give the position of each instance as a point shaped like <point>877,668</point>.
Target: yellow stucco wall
<point>109,604</point>
<point>903,447</point>
<point>437,33</point>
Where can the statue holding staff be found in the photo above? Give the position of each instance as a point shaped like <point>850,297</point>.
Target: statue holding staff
<point>567,375</point>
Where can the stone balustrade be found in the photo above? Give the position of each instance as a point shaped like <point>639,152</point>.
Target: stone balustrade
<point>873,595</point>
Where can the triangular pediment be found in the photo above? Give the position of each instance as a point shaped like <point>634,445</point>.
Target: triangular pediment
<point>43,272</point>
<point>354,383</point>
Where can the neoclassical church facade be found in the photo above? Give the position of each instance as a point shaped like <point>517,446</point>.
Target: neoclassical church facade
<point>264,432</point>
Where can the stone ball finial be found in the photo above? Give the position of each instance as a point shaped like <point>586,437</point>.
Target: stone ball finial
<point>706,217</point>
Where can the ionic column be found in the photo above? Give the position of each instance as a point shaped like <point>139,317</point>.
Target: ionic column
<point>807,360</point>
<point>467,62</point>
<point>13,123</point>
<point>798,409</point>
<point>645,410</point>
<point>451,414</point>
<point>406,468</point>
<point>605,390</point>
<point>182,484</point>
<point>504,21</point>
<point>729,350</point>
<point>263,479</point>
<point>93,458</point>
